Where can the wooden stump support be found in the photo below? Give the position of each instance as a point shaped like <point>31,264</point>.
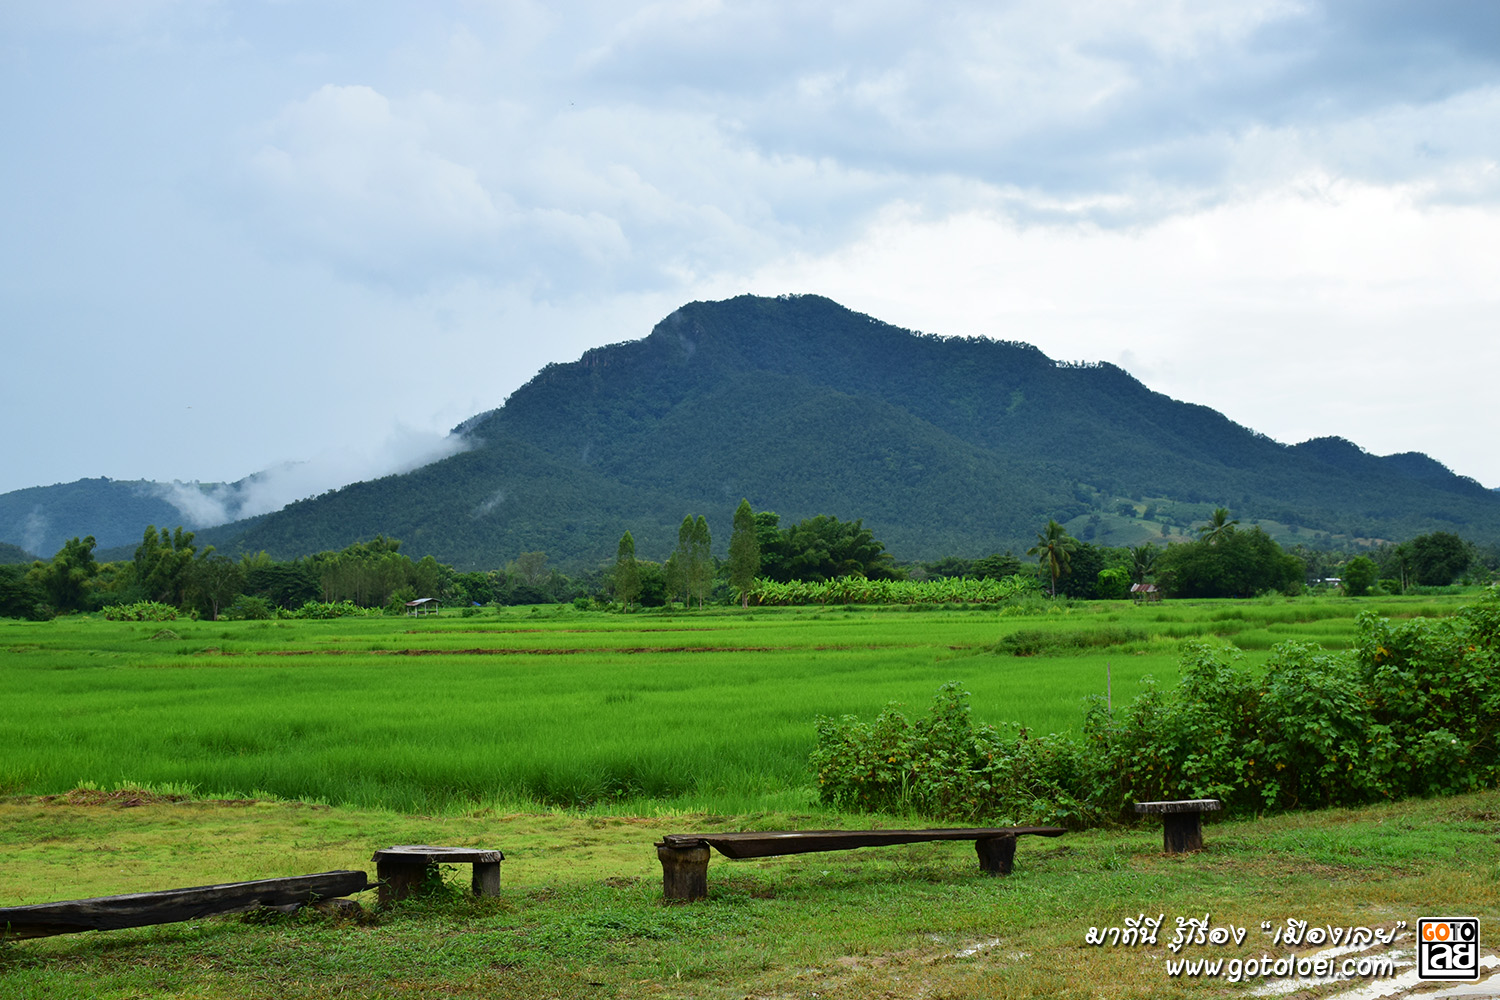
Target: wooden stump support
<point>402,870</point>
<point>1181,822</point>
<point>684,871</point>
<point>997,855</point>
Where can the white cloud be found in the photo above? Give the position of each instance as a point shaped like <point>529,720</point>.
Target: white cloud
<point>1325,307</point>
<point>286,201</point>
<point>274,488</point>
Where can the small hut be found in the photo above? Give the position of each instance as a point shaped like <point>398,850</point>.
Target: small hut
<point>1145,593</point>
<point>423,606</point>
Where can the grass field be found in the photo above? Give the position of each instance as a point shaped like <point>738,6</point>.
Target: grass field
<point>573,740</point>
<point>581,915</point>
<point>712,711</point>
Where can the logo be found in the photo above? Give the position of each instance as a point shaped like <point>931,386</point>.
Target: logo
<point>1448,948</point>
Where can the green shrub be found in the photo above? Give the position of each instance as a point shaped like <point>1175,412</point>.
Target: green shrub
<point>322,609</point>
<point>1413,709</point>
<point>140,611</point>
<point>247,608</point>
<point>944,767</point>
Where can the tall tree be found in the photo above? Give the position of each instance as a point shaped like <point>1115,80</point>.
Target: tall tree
<point>1359,576</point>
<point>163,563</point>
<point>65,579</point>
<point>1143,561</point>
<point>680,562</point>
<point>1219,526</point>
<point>1053,549</point>
<point>744,552</point>
<point>215,581</point>
<point>701,559</point>
<point>1439,557</point>
<point>627,572</point>
<point>825,548</point>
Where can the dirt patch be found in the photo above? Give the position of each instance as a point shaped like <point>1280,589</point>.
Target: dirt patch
<point>123,798</point>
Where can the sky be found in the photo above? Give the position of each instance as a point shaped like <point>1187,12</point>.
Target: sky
<point>306,238</point>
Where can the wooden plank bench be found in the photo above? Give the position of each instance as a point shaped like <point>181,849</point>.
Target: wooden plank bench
<point>399,870</point>
<point>1181,822</point>
<point>684,856</point>
<point>143,909</point>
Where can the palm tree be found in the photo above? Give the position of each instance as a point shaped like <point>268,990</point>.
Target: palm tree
<point>1219,526</point>
<point>1143,561</point>
<point>1053,549</point>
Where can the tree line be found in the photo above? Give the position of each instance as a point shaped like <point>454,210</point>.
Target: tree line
<point>1224,560</point>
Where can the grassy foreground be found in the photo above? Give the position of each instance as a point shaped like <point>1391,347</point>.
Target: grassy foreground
<point>581,913</point>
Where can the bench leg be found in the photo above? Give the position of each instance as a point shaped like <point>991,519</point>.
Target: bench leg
<point>398,879</point>
<point>486,878</point>
<point>1181,832</point>
<point>684,872</point>
<point>997,855</point>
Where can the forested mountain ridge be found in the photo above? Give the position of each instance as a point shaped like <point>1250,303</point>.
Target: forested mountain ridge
<point>942,445</point>
<point>41,518</point>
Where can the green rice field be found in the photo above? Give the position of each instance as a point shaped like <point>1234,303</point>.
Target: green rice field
<point>708,711</point>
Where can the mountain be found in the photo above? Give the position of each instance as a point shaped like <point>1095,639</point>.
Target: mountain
<point>41,518</point>
<point>11,555</point>
<point>943,446</point>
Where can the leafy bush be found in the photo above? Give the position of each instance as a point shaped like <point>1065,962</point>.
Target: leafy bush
<point>247,608</point>
<point>140,611</point>
<point>945,767</point>
<point>1412,710</point>
<point>322,609</point>
<point>859,590</point>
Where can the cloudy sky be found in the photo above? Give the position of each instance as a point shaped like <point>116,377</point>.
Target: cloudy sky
<point>240,234</point>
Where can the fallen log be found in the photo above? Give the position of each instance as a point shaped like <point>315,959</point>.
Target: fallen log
<point>143,909</point>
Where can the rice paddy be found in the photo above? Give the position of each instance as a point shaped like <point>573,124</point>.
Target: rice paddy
<point>631,714</point>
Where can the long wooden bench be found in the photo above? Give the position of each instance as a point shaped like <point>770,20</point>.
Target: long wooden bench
<point>142,909</point>
<point>684,856</point>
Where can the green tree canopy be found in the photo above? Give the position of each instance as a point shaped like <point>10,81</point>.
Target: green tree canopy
<point>1143,562</point>
<point>65,579</point>
<point>1219,526</point>
<point>1359,576</point>
<point>825,548</point>
<point>627,579</point>
<point>162,564</point>
<point>1439,558</point>
<point>1239,564</point>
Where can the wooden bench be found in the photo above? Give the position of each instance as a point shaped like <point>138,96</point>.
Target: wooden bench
<point>1181,822</point>
<point>143,909</point>
<point>684,856</point>
<point>400,870</point>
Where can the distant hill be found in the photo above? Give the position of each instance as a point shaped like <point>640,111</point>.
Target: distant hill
<point>942,445</point>
<point>13,554</point>
<point>41,518</point>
